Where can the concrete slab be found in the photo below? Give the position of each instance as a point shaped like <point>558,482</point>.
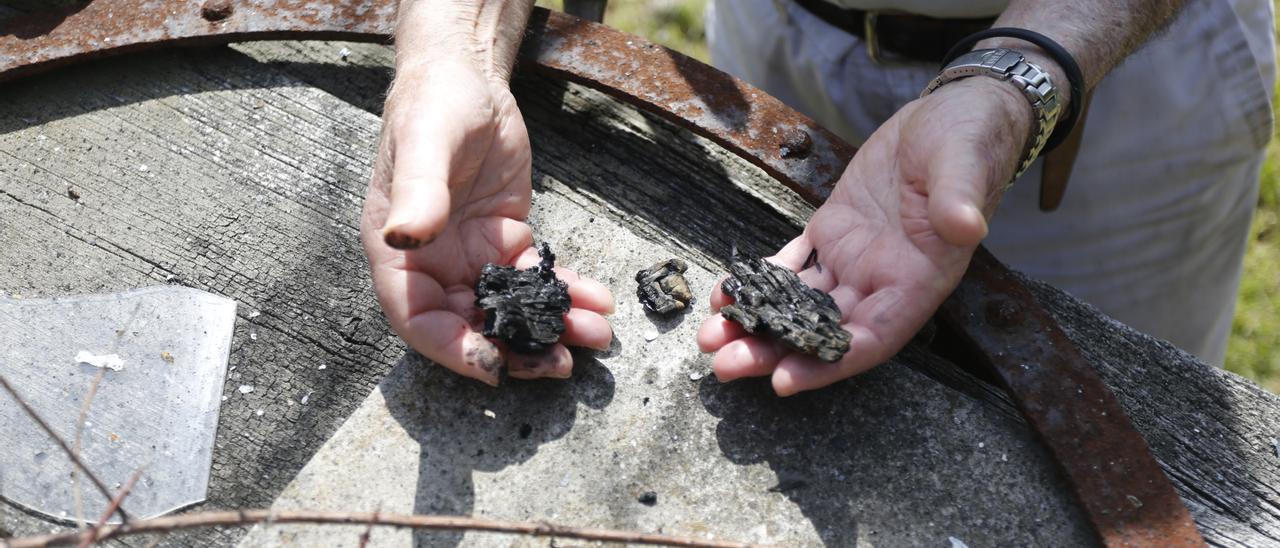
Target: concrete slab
<point>891,458</point>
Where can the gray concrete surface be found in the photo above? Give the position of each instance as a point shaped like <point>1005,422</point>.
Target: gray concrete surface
<point>890,459</point>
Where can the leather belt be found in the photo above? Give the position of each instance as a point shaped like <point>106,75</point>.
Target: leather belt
<point>914,37</point>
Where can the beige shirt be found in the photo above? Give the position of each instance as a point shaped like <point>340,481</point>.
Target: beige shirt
<point>933,8</point>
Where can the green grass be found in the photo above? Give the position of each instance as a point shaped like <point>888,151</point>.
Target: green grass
<point>1254,349</point>
<point>676,24</point>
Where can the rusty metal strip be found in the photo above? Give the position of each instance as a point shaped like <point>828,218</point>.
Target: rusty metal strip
<point>1127,497</point>
<point>789,146</point>
<point>1124,492</point>
<point>108,27</point>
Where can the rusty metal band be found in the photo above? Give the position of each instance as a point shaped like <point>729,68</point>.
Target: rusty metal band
<point>1127,497</point>
<point>1122,488</point>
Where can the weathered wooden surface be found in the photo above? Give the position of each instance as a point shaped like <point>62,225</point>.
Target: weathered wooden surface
<point>240,177</point>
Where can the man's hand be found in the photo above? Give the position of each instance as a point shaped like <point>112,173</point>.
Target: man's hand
<point>450,192</point>
<point>896,234</point>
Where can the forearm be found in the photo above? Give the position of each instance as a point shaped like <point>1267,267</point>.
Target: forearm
<point>484,32</point>
<point>1099,34</point>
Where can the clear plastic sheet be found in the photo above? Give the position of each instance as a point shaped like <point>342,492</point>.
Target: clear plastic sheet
<point>163,355</point>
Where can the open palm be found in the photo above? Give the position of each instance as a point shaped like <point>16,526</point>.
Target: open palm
<point>450,193</point>
<point>894,238</point>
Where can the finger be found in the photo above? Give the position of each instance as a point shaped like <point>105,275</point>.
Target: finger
<point>587,329</point>
<point>589,294</point>
<point>719,299</point>
<point>415,306</point>
<point>879,326</point>
<point>958,181</point>
<point>585,293</point>
<point>794,254</point>
<point>555,362</point>
<point>447,339</point>
<point>746,357</point>
<point>717,331</point>
<point>798,372</point>
<point>420,197</point>
<point>823,281</point>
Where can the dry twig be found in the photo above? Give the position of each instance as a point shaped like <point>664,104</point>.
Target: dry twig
<point>102,488</point>
<point>248,517</point>
<point>84,417</point>
<point>111,509</point>
<point>368,530</point>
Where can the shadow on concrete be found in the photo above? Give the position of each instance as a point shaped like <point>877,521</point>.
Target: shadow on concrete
<point>446,415</point>
<point>891,458</point>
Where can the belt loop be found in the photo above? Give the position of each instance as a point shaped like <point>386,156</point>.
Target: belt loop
<point>871,36</point>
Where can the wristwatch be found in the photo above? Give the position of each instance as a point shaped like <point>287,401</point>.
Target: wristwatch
<point>1032,81</point>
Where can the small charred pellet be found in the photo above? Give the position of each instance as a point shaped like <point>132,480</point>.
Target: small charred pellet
<point>662,288</point>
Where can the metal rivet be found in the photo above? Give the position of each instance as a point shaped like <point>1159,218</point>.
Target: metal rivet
<point>796,143</point>
<point>216,10</point>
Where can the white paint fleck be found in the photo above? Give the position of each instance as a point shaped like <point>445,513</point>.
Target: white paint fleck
<point>245,389</point>
<point>489,413</point>
<point>981,445</point>
<point>323,367</point>
<point>306,397</point>
<point>957,543</point>
<point>253,335</point>
<point>696,375</point>
<point>650,335</point>
<point>344,53</point>
<point>254,314</point>
<point>259,412</point>
<point>105,361</point>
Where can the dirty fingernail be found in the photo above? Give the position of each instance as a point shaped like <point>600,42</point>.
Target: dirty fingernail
<point>483,355</point>
<point>397,238</point>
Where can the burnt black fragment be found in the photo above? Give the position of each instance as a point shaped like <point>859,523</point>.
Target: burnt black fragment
<point>663,288</point>
<point>648,498</point>
<point>771,300</point>
<point>523,308</point>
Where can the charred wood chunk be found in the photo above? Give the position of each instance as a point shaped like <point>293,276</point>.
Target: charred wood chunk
<point>771,300</point>
<point>663,288</point>
<point>523,308</point>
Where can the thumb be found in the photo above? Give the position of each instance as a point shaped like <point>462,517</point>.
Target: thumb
<point>419,193</point>
<point>959,180</point>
